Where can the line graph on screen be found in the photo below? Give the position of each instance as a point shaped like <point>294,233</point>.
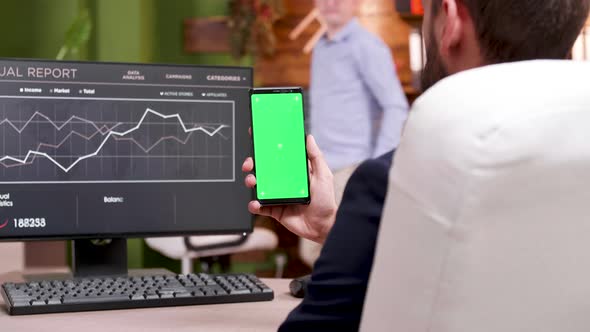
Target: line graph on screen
<point>116,140</point>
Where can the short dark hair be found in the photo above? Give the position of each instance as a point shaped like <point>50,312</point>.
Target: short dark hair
<point>515,30</point>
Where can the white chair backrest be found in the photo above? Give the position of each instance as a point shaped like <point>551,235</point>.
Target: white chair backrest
<point>486,226</point>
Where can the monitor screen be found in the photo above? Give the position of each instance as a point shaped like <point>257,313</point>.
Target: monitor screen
<point>98,150</point>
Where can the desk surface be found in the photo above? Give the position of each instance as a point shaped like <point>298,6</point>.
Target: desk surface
<point>253,316</point>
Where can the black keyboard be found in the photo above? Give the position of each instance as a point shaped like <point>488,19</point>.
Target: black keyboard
<point>107,293</point>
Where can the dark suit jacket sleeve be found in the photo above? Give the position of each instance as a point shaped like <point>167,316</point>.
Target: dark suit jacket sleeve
<point>336,293</point>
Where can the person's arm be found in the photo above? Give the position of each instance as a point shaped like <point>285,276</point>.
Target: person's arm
<point>334,297</point>
<point>312,221</point>
<point>379,74</point>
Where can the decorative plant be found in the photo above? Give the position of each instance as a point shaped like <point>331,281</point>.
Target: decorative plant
<point>251,26</point>
<point>77,35</point>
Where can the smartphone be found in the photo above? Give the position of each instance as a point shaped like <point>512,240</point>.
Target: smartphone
<point>280,149</point>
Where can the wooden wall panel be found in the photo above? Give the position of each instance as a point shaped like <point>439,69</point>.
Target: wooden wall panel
<point>203,35</point>
<point>45,254</point>
<point>289,66</point>
<point>12,257</point>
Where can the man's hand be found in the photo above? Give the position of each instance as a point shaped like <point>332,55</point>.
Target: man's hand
<point>312,221</point>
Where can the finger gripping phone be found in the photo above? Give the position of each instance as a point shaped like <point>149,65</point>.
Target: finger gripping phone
<point>279,141</point>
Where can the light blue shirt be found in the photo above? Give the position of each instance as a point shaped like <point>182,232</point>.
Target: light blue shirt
<point>358,106</point>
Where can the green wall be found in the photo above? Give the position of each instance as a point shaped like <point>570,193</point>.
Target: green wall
<point>150,31</point>
<point>34,28</point>
<point>123,30</point>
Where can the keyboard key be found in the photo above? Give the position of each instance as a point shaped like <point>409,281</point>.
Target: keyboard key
<point>208,291</point>
<point>96,299</point>
<point>21,303</point>
<point>54,301</point>
<point>23,300</point>
<point>18,293</point>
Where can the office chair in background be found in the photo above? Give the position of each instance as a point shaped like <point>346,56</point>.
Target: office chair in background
<point>218,248</point>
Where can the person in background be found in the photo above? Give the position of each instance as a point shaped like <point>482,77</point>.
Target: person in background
<point>459,35</point>
<point>358,105</point>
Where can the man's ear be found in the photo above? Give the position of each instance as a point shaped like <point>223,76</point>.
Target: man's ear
<point>452,29</point>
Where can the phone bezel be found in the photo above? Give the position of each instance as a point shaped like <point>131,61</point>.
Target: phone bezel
<point>286,200</point>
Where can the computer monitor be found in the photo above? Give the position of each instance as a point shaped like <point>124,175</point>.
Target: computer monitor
<point>118,150</point>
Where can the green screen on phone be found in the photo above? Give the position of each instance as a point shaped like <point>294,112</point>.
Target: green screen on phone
<point>279,146</point>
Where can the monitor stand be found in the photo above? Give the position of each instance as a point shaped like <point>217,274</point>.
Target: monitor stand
<point>97,258</point>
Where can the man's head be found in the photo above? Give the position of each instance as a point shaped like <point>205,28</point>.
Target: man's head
<point>464,34</point>
<point>336,13</point>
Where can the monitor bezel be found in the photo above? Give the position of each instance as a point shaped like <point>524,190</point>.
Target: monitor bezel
<point>131,235</point>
